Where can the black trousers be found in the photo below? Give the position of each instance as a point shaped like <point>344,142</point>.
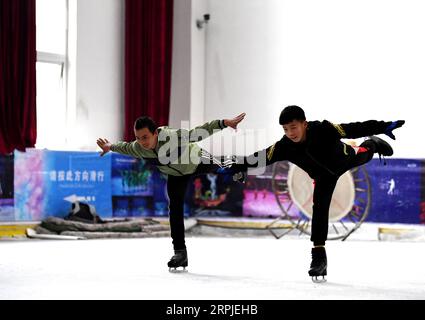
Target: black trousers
<point>323,191</point>
<point>176,189</point>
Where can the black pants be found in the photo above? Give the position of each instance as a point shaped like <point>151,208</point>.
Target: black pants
<point>176,189</point>
<point>323,191</point>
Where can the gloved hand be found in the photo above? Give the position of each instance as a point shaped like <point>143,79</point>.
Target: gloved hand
<point>392,126</point>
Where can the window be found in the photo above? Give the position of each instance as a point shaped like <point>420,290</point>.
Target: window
<point>52,38</point>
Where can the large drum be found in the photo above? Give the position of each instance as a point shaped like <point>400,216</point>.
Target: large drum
<point>294,188</point>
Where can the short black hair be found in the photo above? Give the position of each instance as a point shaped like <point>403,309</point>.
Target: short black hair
<point>145,122</point>
<point>291,113</point>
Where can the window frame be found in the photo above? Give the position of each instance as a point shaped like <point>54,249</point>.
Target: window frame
<point>59,59</point>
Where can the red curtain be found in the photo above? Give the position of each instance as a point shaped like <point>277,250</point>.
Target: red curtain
<point>18,56</point>
<point>148,52</point>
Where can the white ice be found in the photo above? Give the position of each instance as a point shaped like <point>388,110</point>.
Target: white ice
<point>219,268</point>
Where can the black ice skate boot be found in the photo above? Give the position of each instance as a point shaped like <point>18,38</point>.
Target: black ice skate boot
<point>383,148</point>
<point>318,265</point>
<point>178,260</point>
<point>240,177</point>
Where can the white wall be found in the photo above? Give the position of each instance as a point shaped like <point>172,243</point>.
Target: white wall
<point>344,61</point>
<point>198,62</point>
<point>188,68</point>
<point>189,74</point>
<point>96,107</point>
<point>180,101</point>
<point>241,75</point>
<point>340,60</point>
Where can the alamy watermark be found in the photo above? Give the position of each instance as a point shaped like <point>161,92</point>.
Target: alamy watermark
<point>244,147</point>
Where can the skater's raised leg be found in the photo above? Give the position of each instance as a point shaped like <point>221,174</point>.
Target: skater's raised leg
<point>365,152</point>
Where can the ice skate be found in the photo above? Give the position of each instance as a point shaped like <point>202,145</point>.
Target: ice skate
<point>240,177</point>
<point>318,265</point>
<point>383,148</point>
<point>178,262</point>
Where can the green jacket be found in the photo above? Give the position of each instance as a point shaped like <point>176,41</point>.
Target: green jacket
<point>176,152</point>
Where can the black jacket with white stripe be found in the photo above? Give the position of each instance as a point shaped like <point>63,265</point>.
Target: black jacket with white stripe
<point>323,152</point>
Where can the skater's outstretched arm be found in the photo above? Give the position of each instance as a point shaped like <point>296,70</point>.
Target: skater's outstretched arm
<point>363,129</point>
<point>105,145</point>
<point>263,158</point>
<point>126,148</point>
<point>202,132</point>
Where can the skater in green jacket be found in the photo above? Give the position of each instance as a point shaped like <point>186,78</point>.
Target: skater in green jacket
<point>176,154</point>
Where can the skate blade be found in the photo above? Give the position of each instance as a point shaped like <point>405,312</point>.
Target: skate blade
<point>176,270</point>
<point>316,279</point>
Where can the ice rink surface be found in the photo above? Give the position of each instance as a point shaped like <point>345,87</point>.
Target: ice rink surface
<point>219,268</point>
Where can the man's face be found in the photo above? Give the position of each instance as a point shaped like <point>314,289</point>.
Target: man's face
<point>296,130</point>
<point>146,139</point>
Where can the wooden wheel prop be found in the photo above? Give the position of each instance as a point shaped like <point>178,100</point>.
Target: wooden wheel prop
<point>293,190</point>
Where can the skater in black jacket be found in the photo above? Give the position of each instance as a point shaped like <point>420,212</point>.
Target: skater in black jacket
<point>316,148</point>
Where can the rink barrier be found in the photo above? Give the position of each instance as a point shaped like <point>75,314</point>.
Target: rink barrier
<point>15,229</point>
<point>241,224</point>
<point>114,185</point>
<point>398,234</point>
